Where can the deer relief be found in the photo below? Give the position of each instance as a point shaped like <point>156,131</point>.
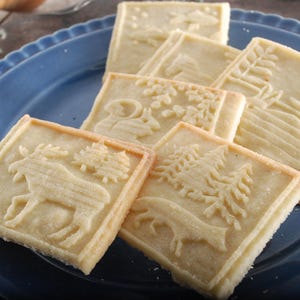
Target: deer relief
<point>127,120</point>
<point>48,180</point>
<point>184,225</point>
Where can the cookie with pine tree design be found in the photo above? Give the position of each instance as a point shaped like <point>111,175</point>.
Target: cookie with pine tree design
<point>208,209</point>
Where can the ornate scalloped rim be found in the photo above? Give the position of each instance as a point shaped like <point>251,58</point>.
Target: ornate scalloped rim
<point>27,51</point>
<point>16,57</point>
<point>272,20</point>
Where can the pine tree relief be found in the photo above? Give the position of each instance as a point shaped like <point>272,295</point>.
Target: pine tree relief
<point>104,164</point>
<point>233,191</point>
<point>199,177</point>
<point>185,166</point>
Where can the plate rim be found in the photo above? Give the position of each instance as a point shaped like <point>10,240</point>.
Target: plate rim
<point>27,51</point>
<point>244,16</point>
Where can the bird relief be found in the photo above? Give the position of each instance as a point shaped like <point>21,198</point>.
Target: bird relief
<point>184,225</point>
<point>50,181</point>
<point>198,177</point>
<point>128,120</point>
<point>194,20</point>
<point>253,74</point>
<point>151,36</point>
<point>142,33</point>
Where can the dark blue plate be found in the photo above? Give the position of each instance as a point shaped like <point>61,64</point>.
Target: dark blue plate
<point>57,78</point>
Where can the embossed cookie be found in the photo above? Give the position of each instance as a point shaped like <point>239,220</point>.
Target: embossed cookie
<point>141,109</point>
<point>65,192</point>
<point>267,74</point>
<point>141,27</point>
<point>208,209</point>
<point>188,57</point>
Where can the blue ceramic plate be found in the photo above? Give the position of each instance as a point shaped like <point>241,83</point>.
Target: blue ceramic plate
<point>57,78</point>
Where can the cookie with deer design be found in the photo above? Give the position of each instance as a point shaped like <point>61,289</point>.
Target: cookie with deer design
<point>208,208</point>
<point>189,57</point>
<point>64,191</point>
<point>267,74</point>
<point>141,27</point>
<point>142,109</point>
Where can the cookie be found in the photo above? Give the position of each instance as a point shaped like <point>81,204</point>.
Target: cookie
<point>208,208</point>
<point>188,57</point>
<point>141,27</point>
<point>141,109</point>
<point>64,191</point>
<point>267,74</point>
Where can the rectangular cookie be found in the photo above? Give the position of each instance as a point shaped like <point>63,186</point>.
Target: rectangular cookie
<point>268,73</point>
<point>64,191</point>
<point>141,109</point>
<point>208,208</point>
<point>188,57</point>
<point>141,27</point>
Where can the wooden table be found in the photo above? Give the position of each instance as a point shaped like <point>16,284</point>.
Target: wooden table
<point>21,28</point>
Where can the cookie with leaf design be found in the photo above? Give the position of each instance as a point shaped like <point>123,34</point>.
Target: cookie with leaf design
<point>64,191</point>
<point>189,57</point>
<point>141,27</point>
<point>141,109</point>
<point>208,208</point>
<point>267,74</point>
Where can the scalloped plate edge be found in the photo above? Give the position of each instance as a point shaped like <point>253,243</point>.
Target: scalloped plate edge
<point>27,51</point>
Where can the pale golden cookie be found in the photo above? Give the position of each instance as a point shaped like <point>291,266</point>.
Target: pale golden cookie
<point>141,27</point>
<point>268,75</point>
<point>208,209</point>
<point>142,109</point>
<point>188,57</point>
<point>64,191</point>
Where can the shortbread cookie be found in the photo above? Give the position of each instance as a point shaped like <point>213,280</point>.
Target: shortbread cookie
<point>208,209</point>
<point>267,74</point>
<point>141,27</point>
<point>188,57</point>
<point>64,191</point>
<point>141,109</point>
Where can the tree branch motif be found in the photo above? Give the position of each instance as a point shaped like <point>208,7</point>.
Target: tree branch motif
<point>160,91</point>
<point>254,72</point>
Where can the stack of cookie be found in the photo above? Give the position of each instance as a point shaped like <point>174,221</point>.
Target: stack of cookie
<point>190,152</point>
